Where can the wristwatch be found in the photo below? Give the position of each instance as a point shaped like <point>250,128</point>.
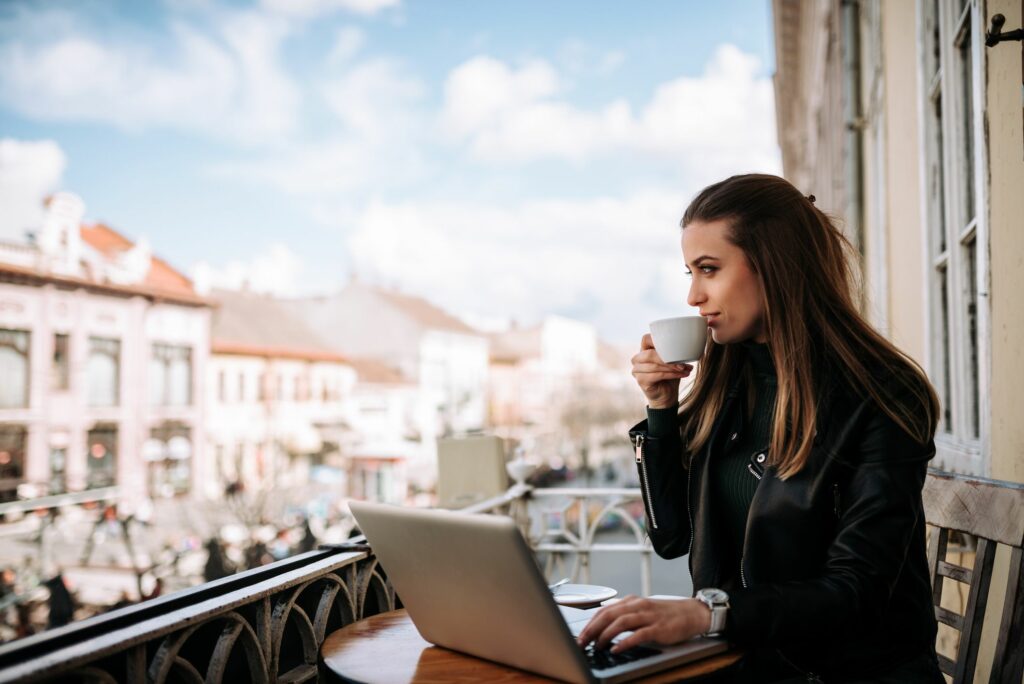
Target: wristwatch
<point>718,601</point>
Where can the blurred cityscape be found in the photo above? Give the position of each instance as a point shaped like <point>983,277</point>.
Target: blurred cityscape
<point>155,433</point>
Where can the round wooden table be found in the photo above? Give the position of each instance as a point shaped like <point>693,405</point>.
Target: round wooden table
<point>387,648</point>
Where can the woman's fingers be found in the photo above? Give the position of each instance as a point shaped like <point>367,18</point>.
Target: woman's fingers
<point>603,618</point>
<point>623,623</point>
<point>639,636</point>
<point>641,368</point>
<point>664,622</point>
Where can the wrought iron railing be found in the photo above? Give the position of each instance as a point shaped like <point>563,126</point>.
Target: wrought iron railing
<point>267,624</point>
<point>264,625</point>
<point>562,525</point>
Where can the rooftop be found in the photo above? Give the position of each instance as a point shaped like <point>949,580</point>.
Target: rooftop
<point>250,324</point>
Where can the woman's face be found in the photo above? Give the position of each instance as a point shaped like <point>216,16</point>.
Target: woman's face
<point>724,287</point>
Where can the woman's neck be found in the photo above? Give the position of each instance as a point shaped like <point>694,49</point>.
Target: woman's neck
<point>760,358</point>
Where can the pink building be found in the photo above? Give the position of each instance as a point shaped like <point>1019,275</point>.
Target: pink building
<point>103,348</point>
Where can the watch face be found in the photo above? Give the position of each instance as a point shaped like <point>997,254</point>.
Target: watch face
<point>715,595</point>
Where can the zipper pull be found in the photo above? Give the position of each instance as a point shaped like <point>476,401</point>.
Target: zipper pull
<point>639,444</point>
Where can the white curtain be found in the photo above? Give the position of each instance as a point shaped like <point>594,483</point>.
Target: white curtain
<point>102,372</point>
<point>14,368</point>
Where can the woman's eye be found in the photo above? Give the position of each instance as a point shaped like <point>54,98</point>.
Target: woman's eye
<point>706,270</point>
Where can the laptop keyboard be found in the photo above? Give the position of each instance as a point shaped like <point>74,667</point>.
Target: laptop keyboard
<point>603,658</point>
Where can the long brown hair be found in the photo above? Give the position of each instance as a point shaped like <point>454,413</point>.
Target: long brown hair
<point>815,333</point>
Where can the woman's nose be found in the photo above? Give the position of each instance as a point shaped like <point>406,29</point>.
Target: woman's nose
<point>695,295</point>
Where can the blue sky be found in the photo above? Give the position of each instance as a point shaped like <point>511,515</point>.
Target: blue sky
<point>503,159</point>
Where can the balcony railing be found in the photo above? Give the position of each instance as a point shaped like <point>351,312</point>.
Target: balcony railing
<point>562,526</point>
<point>267,624</point>
<point>264,625</point>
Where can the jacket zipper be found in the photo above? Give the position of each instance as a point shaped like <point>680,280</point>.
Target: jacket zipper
<point>643,479</point>
<point>743,574</point>
<point>689,514</point>
<point>810,676</point>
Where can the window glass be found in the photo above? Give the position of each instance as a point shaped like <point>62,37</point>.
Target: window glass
<point>103,371</point>
<point>12,460</point>
<point>61,362</point>
<point>101,456</point>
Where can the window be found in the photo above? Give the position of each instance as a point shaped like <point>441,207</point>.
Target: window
<point>58,470</point>
<point>170,473</point>
<point>104,371</point>
<point>14,368</point>
<point>222,386</point>
<point>170,375</point>
<point>61,362</point>
<point>101,459</point>
<point>12,460</point>
<point>241,387</point>
<point>957,236</point>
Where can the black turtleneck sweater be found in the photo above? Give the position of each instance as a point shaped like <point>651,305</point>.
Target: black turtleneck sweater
<point>732,485</point>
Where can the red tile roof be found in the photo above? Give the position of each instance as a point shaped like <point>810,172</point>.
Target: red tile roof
<point>250,324</point>
<point>162,277</point>
<point>422,311</point>
<point>379,373</point>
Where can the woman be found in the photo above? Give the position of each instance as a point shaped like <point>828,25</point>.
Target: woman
<point>792,470</point>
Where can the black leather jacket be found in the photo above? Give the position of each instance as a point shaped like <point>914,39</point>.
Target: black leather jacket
<point>834,567</point>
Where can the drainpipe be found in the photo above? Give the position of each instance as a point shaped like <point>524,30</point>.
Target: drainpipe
<point>853,120</point>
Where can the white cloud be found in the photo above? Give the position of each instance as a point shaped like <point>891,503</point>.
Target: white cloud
<point>483,88</point>
<point>377,145</point>
<point>575,56</point>
<point>348,41</point>
<point>723,119</point>
<point>277,271</point>
<point>29,170</point>
<point>612,261</point>
<point>328,167</point>
<point>230,85</point>
<point>315,8</point>
<point>374,98</point>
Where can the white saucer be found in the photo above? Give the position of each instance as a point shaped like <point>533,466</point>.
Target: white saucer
<point>582,594</point>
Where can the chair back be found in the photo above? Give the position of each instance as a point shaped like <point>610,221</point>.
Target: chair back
<point>992,511</point>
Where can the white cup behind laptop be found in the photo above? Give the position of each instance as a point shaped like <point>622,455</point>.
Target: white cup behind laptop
<point>680,339</point>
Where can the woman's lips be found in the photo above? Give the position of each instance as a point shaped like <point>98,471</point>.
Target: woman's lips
<point>711,318</point>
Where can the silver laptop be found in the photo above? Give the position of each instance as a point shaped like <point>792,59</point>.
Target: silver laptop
<point>470,583</point>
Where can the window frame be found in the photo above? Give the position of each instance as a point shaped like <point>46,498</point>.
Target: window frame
<point>957,448</point>
<point>162,357</point>
<point>20,342</point>
<point>112,348</point>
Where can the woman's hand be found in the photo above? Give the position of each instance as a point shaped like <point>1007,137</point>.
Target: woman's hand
<point>658,380</point>
<point>651,620</point>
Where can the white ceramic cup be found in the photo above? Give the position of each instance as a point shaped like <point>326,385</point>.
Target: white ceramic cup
<point>680,339</point>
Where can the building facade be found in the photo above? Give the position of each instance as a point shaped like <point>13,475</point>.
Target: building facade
<point>909,129</point>
<point>102,351</point>
<point>279,398</point>
<point>385,461</point>
<point>560,392</point>
<point>444,357</point>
